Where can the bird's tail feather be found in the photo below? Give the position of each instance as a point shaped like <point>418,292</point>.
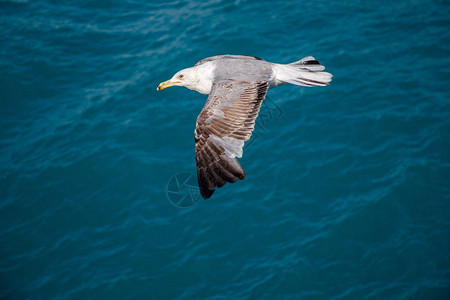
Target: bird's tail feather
<point>306,72</point>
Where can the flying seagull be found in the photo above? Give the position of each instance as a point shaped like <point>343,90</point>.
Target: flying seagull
<point>236,86</point>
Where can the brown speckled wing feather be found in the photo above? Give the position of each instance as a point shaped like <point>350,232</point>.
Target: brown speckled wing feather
<point>225,123</point>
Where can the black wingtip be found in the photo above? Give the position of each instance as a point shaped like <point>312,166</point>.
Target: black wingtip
<point>202,184</point>
<point>206,192</point>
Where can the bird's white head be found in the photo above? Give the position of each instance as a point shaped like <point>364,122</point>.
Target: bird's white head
<point>196,78</point>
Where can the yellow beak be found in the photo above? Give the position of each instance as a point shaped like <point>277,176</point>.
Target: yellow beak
<point>166,84</point>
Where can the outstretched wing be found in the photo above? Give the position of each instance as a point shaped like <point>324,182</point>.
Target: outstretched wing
<point>225,123</point>
<point>226,56</point>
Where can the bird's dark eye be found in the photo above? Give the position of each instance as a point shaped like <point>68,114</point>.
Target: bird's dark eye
<point>181,76</point>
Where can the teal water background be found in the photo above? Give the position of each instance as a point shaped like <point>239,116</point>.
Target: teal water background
<point>347,194</point>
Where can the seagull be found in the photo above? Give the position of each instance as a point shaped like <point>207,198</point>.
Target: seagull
<point>236,85</point>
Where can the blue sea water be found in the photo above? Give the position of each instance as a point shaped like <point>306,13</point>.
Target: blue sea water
<point>347,194</point>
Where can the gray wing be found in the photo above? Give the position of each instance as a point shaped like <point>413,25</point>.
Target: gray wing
<point>225,123</point>
<point>226,56</point>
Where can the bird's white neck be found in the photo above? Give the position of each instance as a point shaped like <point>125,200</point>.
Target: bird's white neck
<point>203,75</point>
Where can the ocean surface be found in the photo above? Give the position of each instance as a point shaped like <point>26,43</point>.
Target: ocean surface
<point>347,194</point>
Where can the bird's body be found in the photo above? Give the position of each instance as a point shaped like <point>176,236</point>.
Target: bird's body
<point>236,86</point>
